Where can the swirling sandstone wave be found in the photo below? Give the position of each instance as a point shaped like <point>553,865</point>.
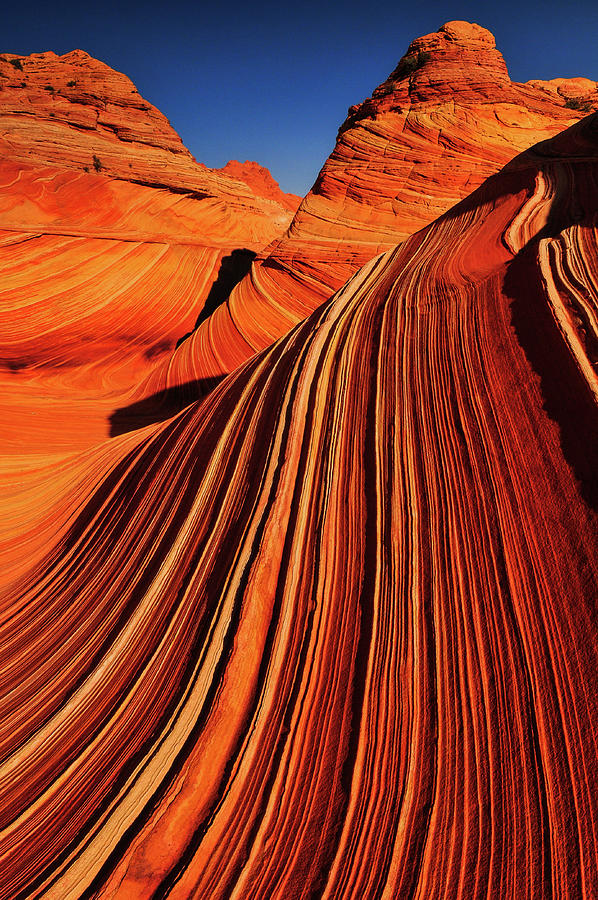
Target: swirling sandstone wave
<point>332,631</point>
<point>447,118</point>
<point>111,238</point>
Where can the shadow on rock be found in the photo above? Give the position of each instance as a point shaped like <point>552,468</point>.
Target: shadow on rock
<point>160,406</point>
<point>233,269</point>
<point>566,394</point>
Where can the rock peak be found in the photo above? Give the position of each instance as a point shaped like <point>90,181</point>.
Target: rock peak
<point>465,39</point>
<point>467,33</point>
<point>260,180</point>
<point>459,54</point>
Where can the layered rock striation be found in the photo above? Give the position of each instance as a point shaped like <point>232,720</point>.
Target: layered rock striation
<point>111,238</point>
<point>75,111</point>
<point>332,631</point>
<point>445,119</point>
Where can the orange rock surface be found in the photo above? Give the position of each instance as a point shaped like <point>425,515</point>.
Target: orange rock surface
<point>260,181</point>
<point>75,111</point>
<point>111,237</point>
<point>332,630</point>
<point>446,118</point>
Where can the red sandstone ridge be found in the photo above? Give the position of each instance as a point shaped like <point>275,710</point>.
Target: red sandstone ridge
<point>111,237</point>
<point>445,119</point>
<point>332,631</point>
<point>75,111</point>
<point>260,181</point>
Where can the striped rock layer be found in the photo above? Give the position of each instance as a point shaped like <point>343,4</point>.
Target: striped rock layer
<point>332,632</point>
<point>75,111</point>
<point>111,238</point>
<point>447,118</point>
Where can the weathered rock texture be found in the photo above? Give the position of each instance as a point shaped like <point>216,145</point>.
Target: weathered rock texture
<point>111,237</point>
<point>332,631</point>
<point>260,181</point>
<point>76,111</point>
<point>444,120</point>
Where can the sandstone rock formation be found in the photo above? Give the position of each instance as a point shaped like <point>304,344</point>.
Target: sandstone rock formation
<point>444,120</point>
<point>260,181</point>
<point>332,631</point>
<point>75,111</point>
<point>111,236</point>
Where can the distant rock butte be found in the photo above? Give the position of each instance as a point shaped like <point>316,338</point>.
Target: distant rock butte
<point>261,182</point>
<point>446,118</point>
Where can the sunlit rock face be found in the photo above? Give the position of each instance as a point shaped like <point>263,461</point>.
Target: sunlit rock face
<point>111,237</point>
<point>75,111</point>
<point>260,181</point>
<point>331,632</point>
<point>447,118</point>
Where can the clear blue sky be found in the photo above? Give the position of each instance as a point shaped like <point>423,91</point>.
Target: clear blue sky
<point>272,81</point>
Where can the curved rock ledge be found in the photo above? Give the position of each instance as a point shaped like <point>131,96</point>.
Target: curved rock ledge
<point>332,631</point>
